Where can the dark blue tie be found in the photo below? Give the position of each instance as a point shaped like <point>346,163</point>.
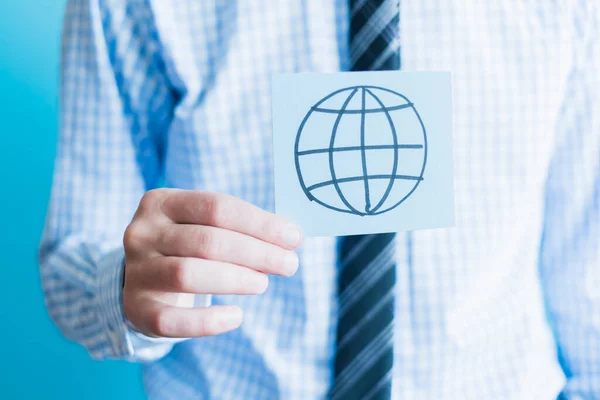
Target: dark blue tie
<point>367,276</point>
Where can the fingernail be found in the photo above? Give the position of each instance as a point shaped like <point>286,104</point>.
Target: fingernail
<point>291,236</point>
<point>290,263</point>
<point>231,319</point>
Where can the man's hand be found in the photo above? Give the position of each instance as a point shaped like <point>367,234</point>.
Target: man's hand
<point>203,243</point>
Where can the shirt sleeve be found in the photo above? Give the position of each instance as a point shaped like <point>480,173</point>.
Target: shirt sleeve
<point>570,251</point>
<point>116,104</point>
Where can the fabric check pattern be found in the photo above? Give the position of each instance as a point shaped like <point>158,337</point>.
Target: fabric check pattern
<point>364,346</point>
<point>502,306</point>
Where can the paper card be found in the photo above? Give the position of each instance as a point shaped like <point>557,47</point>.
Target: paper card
<point>363,152</point>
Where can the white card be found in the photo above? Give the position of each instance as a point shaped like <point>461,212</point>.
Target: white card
<point>363,152</point>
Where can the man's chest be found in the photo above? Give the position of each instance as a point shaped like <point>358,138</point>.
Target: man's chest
<point>507,82</point>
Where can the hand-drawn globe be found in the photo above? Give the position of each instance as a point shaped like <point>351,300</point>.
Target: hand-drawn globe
<point>361,150</point>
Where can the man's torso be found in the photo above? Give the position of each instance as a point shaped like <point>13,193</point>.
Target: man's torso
<point>470,322</point>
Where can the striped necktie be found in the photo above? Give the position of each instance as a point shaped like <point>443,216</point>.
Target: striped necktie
<point>367,276</point>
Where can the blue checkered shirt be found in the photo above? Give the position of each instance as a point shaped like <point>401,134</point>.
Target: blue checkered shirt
<point>506,305</point>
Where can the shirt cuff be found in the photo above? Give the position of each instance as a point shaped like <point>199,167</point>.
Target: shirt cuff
<point>125,341</point>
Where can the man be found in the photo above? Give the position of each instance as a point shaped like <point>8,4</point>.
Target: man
<point>506,305</point>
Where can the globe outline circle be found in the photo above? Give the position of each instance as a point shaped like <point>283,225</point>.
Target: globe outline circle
<point>352,210</point>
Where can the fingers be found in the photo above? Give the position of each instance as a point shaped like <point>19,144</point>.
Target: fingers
<point>193,275</point>
<point>161,320</point>
<point>201,243</point>
<point>227,212</point>
<point>216,244</point>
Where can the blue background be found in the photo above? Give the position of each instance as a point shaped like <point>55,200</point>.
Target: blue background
<point>36,362</point>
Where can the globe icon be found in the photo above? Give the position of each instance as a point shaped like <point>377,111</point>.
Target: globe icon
<point>361,150</point>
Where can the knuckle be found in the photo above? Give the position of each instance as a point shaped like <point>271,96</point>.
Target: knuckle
<point>269,228</point>
<point>201,327</point>
<point>162,323</point>
<point>209,245</point>
<point>166,236</point>
<point>180,278</point>
<point>136,234</point>
<point>210,206</point>
<point>151,199</point>
<point>221,210</point>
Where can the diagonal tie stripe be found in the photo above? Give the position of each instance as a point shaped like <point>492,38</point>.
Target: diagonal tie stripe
<point>367,320</point>
<point>365,333</point>
<point>366,282</point>
<point>360,13</point>
<point>366,278</point>
<point>383,45</point>
<point>382,390</point>
<point>363,258</point>
<point>377,372</point>
<point>367,270</point>
<point>381,26</point>
<point>369,300</point>
<point>356,372</point>
<point>388,59</point>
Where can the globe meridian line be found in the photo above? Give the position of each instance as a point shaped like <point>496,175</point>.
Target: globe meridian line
<point>331,164</point>
<point>395,167</point>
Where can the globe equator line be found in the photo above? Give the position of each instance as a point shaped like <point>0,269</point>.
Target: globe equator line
<point>353,148</point>
<point>366,111</point>
<point>331,143</point>
<point>360,178</point>
<point>395,168</point>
